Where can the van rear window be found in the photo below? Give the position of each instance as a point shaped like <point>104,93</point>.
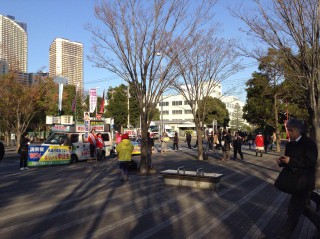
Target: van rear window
<point>105,137</point>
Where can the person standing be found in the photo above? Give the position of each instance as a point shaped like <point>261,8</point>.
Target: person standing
<point>237,143</point>
<point>2,151</point>
<point>124,150</point>
<point>164,139</point>
<point>301,155</point>
<point>216,141</point>
<point>100,144</point>
<point>266,142</point>
<point>226,146</point>
<point>175,141</point>
<point>259,141</point>
<point>118,137</point>
<point>93,143</point>
<point>188,139</point>
<point>149,149</point>
<point>24,143</point>
<point>273,139</point>
<point>210,140</point>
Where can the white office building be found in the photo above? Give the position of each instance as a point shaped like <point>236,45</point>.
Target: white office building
<point>176,113</point>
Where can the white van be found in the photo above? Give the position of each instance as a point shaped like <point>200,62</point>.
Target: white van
<point>80,147</point>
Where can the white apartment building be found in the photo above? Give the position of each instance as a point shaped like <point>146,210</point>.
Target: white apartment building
<point>66,60</point>
<point>177,114</point>
<point>13,43</point>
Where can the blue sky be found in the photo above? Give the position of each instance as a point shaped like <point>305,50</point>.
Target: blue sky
<point>49,19</point>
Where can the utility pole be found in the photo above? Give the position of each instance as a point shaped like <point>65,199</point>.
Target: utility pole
<point>128,106</point>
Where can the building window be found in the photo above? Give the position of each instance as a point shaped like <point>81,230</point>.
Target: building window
<point>177,112</point>
<point>164,103</point>
<point>187,112</point>
<point>186,102</point>
<point>165,112</point>
<point>176,103</point>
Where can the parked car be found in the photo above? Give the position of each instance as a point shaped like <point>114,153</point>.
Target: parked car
<point>137,146</point>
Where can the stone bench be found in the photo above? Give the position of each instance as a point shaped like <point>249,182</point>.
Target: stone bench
<point>196,179</point>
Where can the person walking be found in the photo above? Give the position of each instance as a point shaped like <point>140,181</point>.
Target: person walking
<point>93,142</point>
<point>99,144</point>
<point>149,149</point>
<point>226,145</point>
<point>188,139</point>
<point>175,141</point>
<point>24,143</point>
<point>124,150</point>
<point>237,143</point>
<point>259,141</point>
<point>300,155</point>
<point>250,140</point>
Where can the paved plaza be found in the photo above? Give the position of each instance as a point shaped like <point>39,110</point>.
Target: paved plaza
<point>87,200</point>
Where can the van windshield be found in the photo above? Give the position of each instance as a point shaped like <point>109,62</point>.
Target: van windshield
<point>57,139</point>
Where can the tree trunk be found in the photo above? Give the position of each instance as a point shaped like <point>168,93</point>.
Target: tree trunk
<point>276,119</point>
<point>317,139</point>
<point>199,138</point>
<point>144,169</point>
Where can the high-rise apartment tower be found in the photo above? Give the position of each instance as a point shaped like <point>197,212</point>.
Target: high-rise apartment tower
<point>13,43</point>
<point>66,60</point>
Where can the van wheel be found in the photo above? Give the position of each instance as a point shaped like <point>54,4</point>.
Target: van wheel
<point>74,158</point>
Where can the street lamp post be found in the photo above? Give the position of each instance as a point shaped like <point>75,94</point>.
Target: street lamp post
<point>161,125</point>
<point>128,108</point>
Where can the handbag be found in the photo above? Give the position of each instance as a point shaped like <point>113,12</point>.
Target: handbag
<point>166,139</point>
<point>291,181</point>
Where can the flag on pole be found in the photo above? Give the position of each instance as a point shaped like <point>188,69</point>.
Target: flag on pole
<point>92,100</point>
<point>102,105</point>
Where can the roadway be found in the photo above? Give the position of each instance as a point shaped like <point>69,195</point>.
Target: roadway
<point>87,200</point>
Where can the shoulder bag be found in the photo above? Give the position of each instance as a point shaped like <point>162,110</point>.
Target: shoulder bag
<point>291,181</point>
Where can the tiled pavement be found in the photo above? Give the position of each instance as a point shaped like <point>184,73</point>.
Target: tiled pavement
<point>87,200</point>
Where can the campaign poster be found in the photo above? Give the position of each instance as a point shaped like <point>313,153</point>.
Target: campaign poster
<point>49,155</point>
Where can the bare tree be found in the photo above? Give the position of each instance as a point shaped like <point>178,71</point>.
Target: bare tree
<point>209,61</point>
<point>132,35</point>
<point>292,27</point>
<point>21,103</point>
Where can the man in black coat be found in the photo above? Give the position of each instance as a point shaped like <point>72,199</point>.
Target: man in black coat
<point>188,139</point>
<point>2,151</point>
<point>301,154</point>
<point>237,143</point>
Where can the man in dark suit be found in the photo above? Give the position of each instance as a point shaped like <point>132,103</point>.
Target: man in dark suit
<point>301,154</point>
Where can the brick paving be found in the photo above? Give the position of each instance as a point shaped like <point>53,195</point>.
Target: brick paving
<point>87,200</point>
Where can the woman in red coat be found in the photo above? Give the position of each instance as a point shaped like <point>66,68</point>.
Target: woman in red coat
<point>99,144</point>
<point>259,141</point>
